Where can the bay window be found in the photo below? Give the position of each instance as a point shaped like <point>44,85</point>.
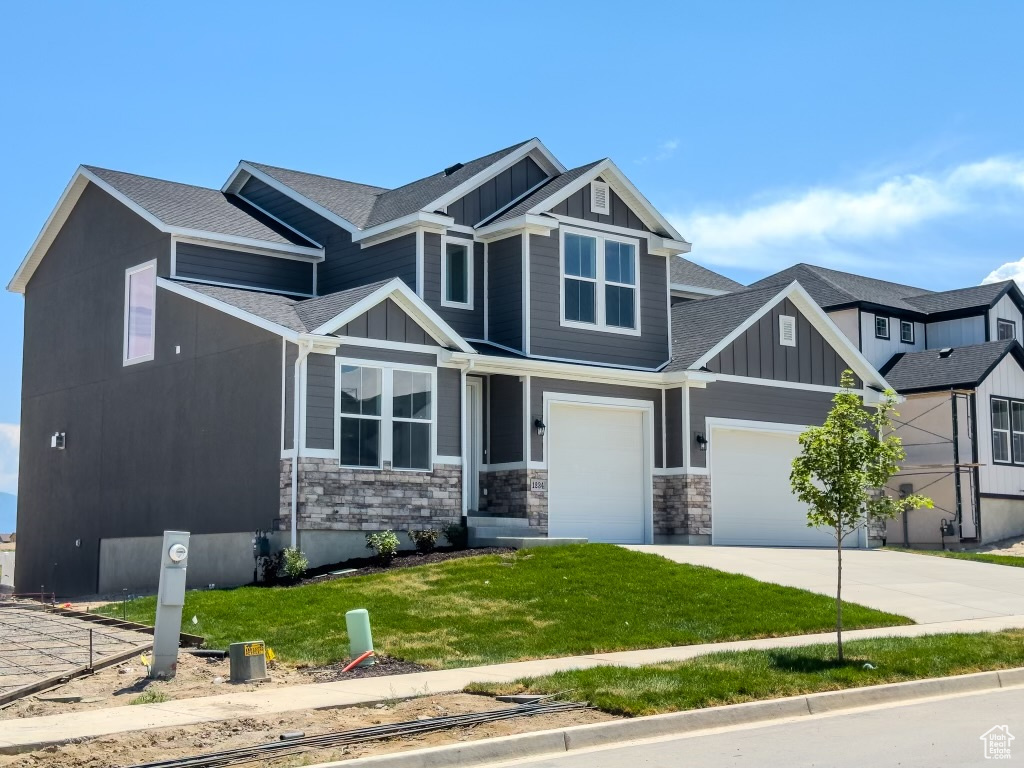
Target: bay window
<point>599,281</point>
<point>387,415</point>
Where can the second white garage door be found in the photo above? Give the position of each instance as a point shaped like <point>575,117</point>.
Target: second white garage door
<point>751,501</point>
<point>597,473</point>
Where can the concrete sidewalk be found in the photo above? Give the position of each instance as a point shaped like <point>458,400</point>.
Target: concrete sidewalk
<point>26,734</point>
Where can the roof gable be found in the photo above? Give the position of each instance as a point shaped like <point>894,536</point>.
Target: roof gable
<point>954,368</point>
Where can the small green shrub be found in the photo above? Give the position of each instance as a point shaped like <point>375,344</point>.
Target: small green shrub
<point>150,697</point>
<point>293,563</point>
<point>384,543</point>
<point>425,540</point>
<point>457,535</point>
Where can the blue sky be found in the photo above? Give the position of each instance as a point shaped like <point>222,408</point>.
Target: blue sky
<point>880,137</point>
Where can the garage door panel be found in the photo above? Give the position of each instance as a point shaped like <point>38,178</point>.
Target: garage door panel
<point>751,499</point>
<point>596,473</point>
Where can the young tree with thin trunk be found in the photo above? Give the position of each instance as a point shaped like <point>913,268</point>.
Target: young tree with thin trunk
<point>843,469</point>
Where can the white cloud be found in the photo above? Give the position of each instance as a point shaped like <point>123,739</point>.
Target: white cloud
<point>831,224</point>
<point>10,437</point>
<point>1012,270</point>
<point>664,151</point>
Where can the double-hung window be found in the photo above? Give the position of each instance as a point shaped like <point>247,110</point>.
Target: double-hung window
<point>387,415</point>
<point>139,313</point>
<point>906,331</point>
<point>457,273</point>
<point>881,327</point>
<point>599,281</point>
<point>1005,330</point>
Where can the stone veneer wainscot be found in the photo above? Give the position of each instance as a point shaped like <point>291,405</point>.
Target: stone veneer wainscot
<point>682,508</point>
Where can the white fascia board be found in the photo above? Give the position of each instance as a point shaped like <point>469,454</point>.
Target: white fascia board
<point>623,186</point>
<point>419,220</point>
<point>534,224</point>
<point>683,288</point>
<point>488,173</point>
<point>229,309</point>
<point>819,319</point>
<point>412,304</point>
<point>665,246</point>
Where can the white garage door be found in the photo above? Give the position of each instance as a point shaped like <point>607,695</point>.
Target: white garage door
<point>597,473</point>
<point>751,502</point>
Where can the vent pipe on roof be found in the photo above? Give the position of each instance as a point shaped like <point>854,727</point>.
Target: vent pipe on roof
<point>452,169</point>
<point>945,352</point>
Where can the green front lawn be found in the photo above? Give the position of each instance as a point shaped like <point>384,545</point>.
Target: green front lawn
<point>732,678</point>
<point>980,557</point>
<point>545,602</point>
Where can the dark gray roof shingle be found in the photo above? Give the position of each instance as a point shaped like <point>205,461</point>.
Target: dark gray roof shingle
<point>191,207</point>
<point>316,312</point>
<point>352,202</point>
<point>975,297</point>
<point>697,326</point>
<point>929,370</point>
<point>831,288</point>
<point>686,272</point>
<point>542,194</point>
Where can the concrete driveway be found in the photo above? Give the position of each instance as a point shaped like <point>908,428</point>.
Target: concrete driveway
<point>924,588</point>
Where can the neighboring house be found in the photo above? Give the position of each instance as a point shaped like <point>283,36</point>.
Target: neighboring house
<point>324,359</point>
<point>690,281</point>
<point>955,356</point>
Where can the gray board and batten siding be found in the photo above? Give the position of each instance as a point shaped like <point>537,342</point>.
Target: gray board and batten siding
<point>577,206</point>
<point>753,402</point>
<point>250,270</point>
<point>505,292</point>
<point>468,323</point>
<point>346,264</point>
<point>491,196</point>
<point>386,322</point>
<point>673,430</point>
<point>505,416</point>
<point>549,338</point>
<point>133,465</point>
<point>758,353</point>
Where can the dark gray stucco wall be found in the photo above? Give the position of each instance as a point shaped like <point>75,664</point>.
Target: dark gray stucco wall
<point>190,440</point>
<point>252,270</point>
<point>577,205</point>
<point>733,400</point>
<point>346,264</point>
<point>387,322</point>
<point>757,352</point>
<point>449,412</point>
<point>505,404</point>
<point>674,427</point>
<point>320,403</point>
<point>468,323</point>
<point>505,292</point>
<point>495,194</point>
<point>548,338</point>
<point>539,386</point>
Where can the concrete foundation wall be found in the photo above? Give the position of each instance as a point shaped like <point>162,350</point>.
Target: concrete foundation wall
<point>326,547</point>
<point>923,524</point>
<point>7,570</point>
<point>133,563</point>
<point>1001,519</point>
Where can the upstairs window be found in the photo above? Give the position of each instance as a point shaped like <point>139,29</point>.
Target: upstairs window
<point>881,327</point>
<point>599,282</point>
<point>457,274</point>
<point>906,332</point>
<point>139,313</point>
<point>1005,330</point>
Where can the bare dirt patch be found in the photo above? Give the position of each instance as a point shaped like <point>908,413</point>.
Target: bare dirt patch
<point>140,747</point>
<point>1013,547</point>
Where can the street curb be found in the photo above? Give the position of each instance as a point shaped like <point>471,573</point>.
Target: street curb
<point>552,742</point>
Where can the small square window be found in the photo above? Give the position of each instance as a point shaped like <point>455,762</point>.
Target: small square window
<point>1006,330</point>
<point>881,327</point>
<point>906,332</point>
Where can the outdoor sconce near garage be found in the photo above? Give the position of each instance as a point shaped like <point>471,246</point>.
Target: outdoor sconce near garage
<point>702,442</point>
<point>540,426</point>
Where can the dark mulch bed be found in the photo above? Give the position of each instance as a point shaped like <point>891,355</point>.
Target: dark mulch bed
<point>386,665</point>
<point>368,565</point>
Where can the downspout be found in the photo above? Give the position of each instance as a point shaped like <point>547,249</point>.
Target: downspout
<point>464,441</point>
<point>305,348</point>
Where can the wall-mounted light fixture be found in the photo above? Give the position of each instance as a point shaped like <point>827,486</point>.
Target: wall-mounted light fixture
<point>540,426</point>
<point>702,442</point>
<point>58,440</point>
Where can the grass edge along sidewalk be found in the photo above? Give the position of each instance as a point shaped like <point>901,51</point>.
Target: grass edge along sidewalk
<point>736,677</point>
<point>530,604</point>
<point>1013,561</point>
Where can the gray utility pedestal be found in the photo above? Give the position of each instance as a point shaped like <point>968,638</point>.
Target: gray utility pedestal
<point>170,599</point>
<point>248,661</point>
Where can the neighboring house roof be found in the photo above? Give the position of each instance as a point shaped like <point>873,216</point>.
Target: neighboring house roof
<point>975,297</point>
<point>199,208</point>
<point>950,368</point>
<point>686,275</point>
<point>832,288</point>
<point>697,326</point>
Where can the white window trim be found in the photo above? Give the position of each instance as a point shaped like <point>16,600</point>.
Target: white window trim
<point>888,329</point>
<point>1008,431</point>
<point>125,360</point>
<point>470,252</point>
<point>387,417</point>
<point>599,299</point>
<point>784,322</point>
<point>913,332</point>
<point>594,208</point>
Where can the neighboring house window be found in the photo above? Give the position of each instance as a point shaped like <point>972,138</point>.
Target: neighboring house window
<point>906,332</point>
<point>787,330</point>
<point>139,313</point>
<point>361,395</point>
<point>1006,330</point>
<point>1017,431</point>
<point>881,327</point>
<point>599,282</point>
<point>457,274</point>
<point>1007,431</point>
<point>387,414</point>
